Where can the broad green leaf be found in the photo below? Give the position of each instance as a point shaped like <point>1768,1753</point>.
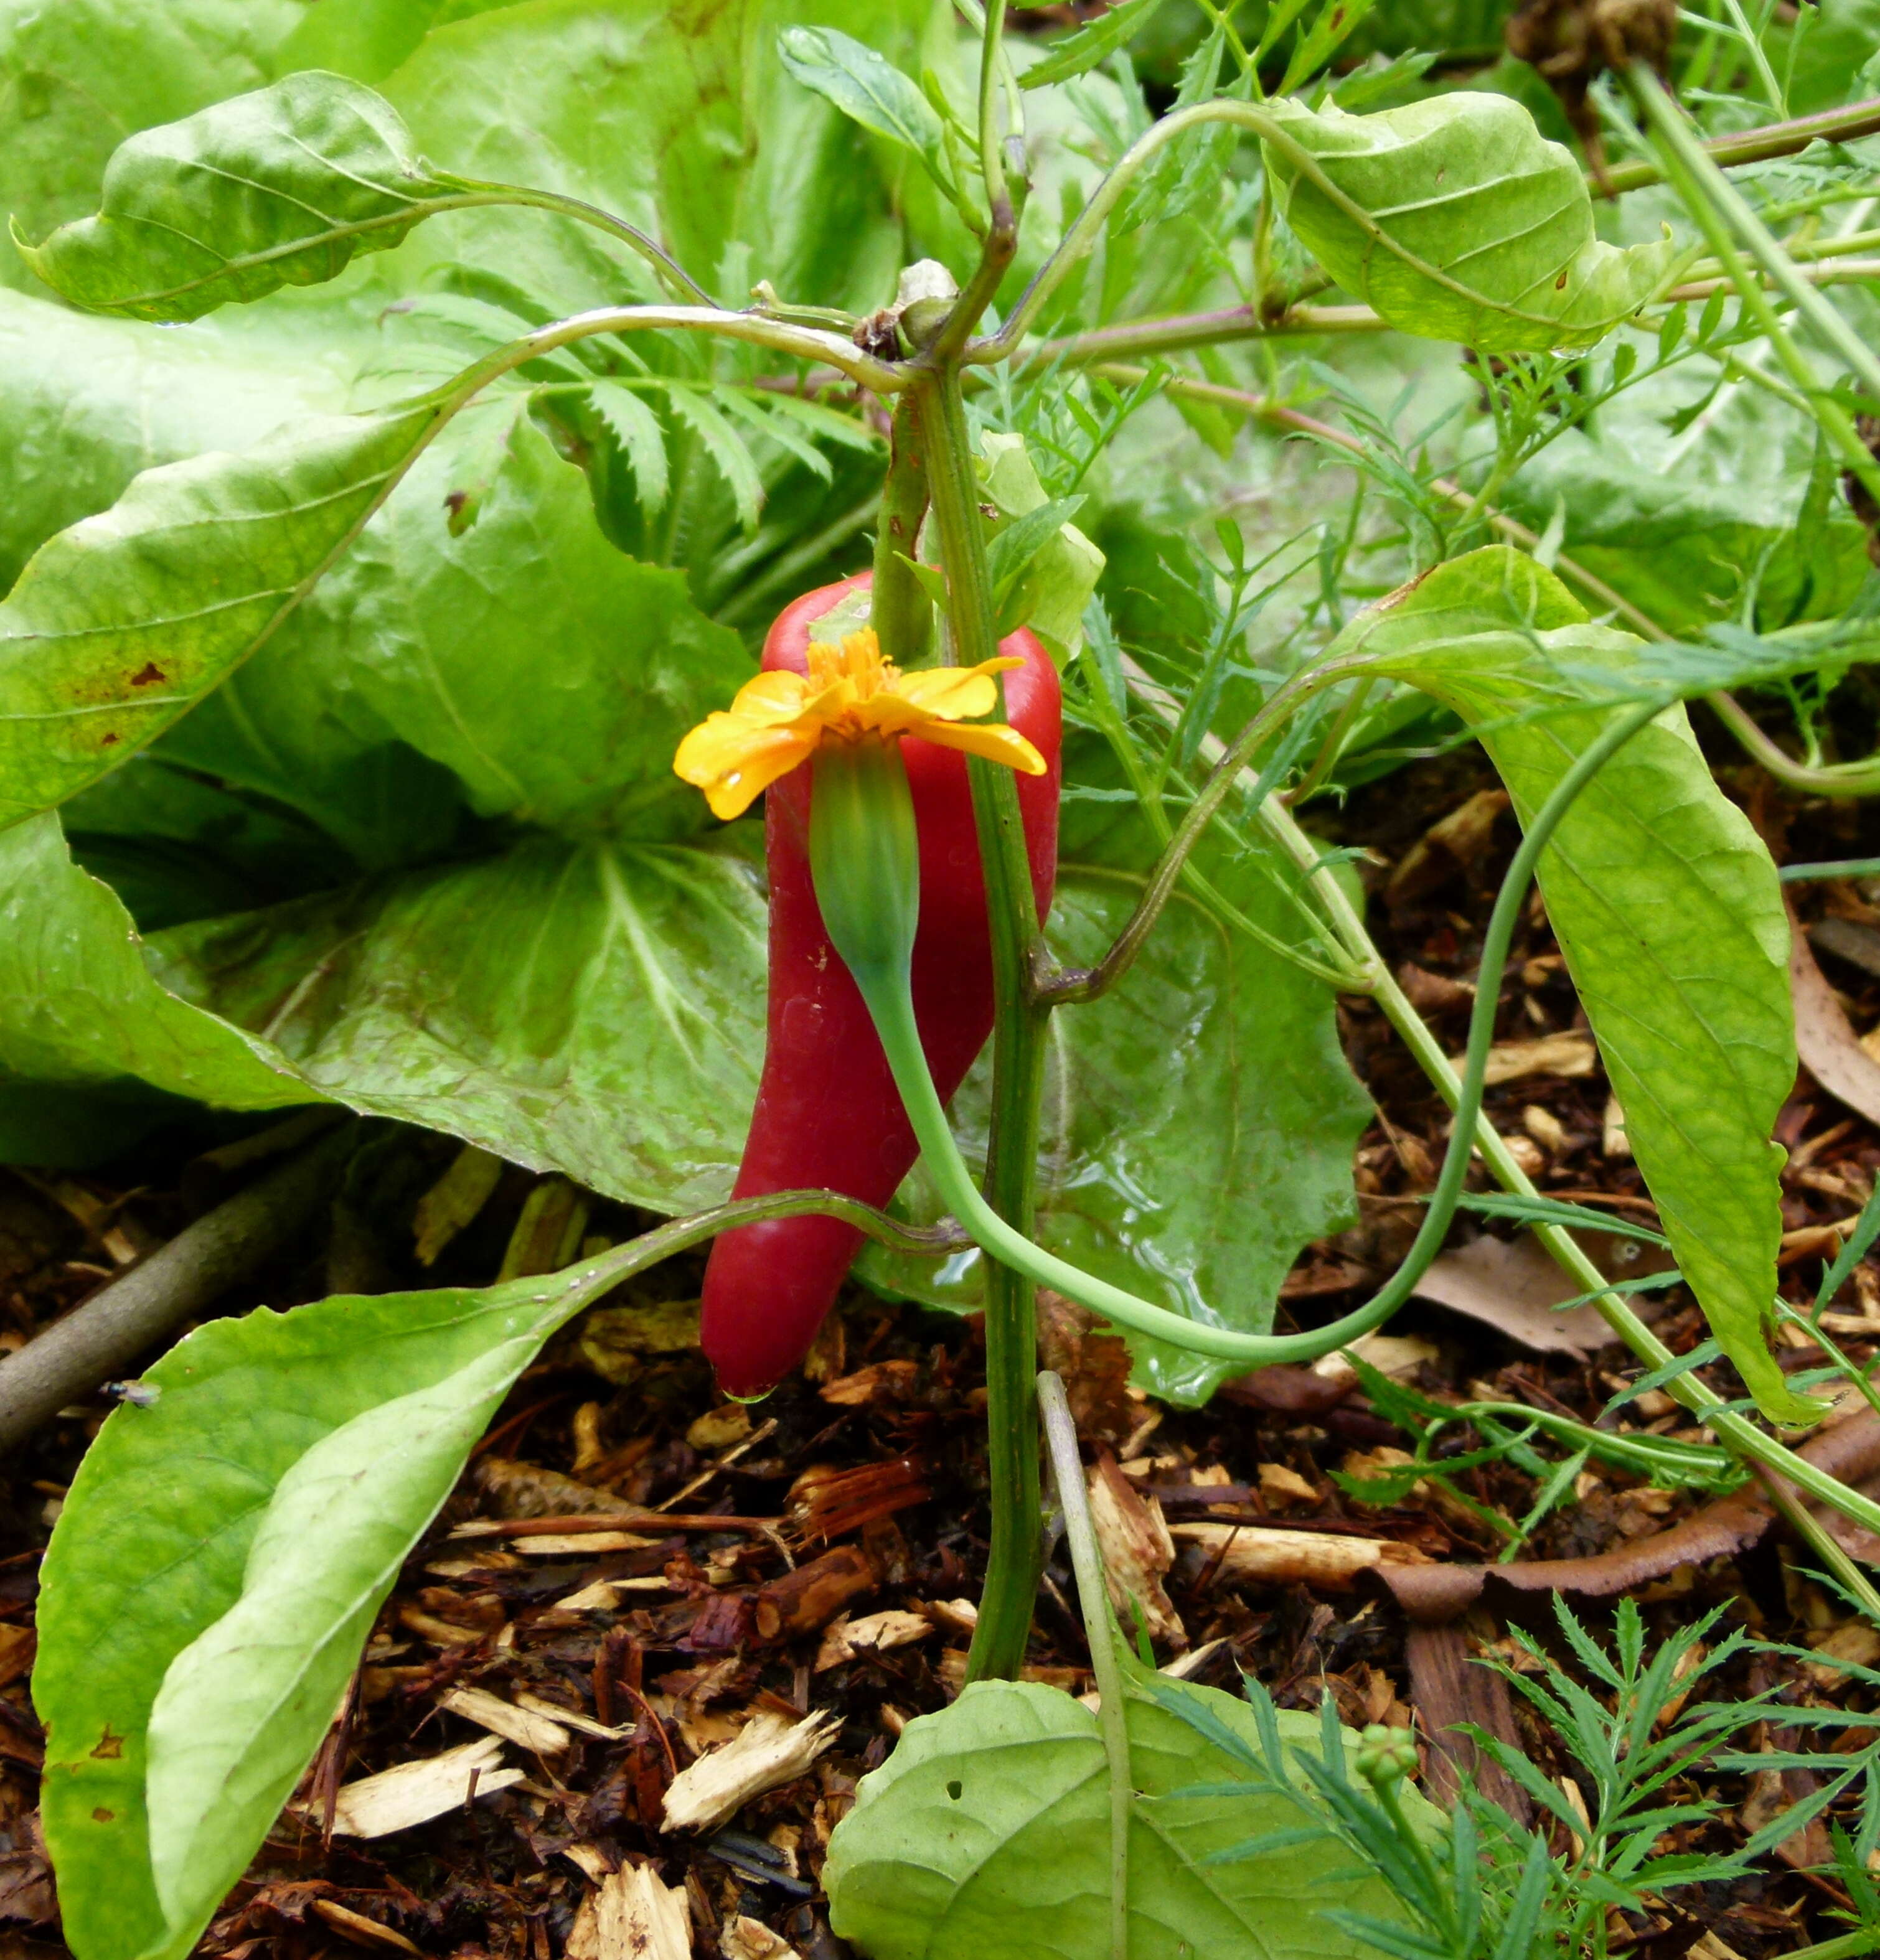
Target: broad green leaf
<point>1666,905</point>
<point>552,675</point>
<point>119,625</point>
<point>682,121</point>
<point>986,1834</point>
<point>1834,61</point>
<point>280,187</point>
<point>1457,221</point>
<point>1683,543</point>
<point>86,402</point>
<point>78,78</point>
<point>367,38</point>
<point>175,845</point>
<point>193,1645</point>
<point>867,87</point>
<point>1198,1120</point>
<point>77,1003</point>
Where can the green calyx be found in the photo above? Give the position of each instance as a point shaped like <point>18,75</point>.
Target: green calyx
<point>865,858</point>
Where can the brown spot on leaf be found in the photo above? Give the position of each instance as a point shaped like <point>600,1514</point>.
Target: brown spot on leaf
<point>109,1746</point>
<point>101,1815</point>
<point>1560,285</point>
<point>147,674</point>
<point>108,740</point>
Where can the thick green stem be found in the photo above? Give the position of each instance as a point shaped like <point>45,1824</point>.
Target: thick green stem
<point>1016,1553</point>
<point>1755,146</point>
<point>901,612</point>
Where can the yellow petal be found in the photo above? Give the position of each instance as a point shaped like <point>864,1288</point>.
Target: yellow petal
<point>949,694</point>
<point>993,739</point>
<point>778,696</point>
<point>734,762</point>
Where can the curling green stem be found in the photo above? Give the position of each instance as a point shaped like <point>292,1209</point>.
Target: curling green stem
<point>884,986</point>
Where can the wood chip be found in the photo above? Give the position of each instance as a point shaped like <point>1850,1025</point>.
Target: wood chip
<point>1137,1552</point>
<point>742,1938</point>
<point>581,1545</point>
<point>1855,1643</point>
<point>360,1931</point>
<point>1279,1484</point>
<point>18,1646</point>
<point>454,1201</point>
<point>719,1429</point>
<point>570,1718</point>
<point>768,1750</point>
<point>1569,1057</point>
<point>956,1616</point>
<point>524,1727</point>
<point>590,1861</point>
<point>631,1915</point>
<point>845,1640</point>
<point>414,1792</point>
<point>1397,1355</point>
<point>1268,1555</point>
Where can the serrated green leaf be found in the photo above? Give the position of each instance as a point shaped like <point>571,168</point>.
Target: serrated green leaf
<point>867,87</point>
<point>777,430</point>
<point>1012,549</point>
<point>1457,221</point>
<point>730,457</point>
<point>1666,905</point>
<point>1052,584</point>
<point>1095,41</point>
<point>849,431</point>
<point>1337,21</point>
<point>280,187</point>
<point>193,1647</point>
<point>489,428</point>
<point>987,1834</point>
<point>638,431</point>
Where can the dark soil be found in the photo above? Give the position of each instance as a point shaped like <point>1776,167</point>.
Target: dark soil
<point>860,1489</point>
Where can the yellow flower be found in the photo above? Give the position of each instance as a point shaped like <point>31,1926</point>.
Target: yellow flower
<point>850,694</point>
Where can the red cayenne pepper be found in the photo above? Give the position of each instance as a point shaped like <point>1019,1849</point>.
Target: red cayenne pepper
<point>828,1113</point>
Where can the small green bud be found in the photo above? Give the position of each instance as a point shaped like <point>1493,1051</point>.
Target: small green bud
<point>1386,1755</point>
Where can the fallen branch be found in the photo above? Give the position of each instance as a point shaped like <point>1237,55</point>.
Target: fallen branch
<point>94,1341</point>
<point>1433,1595</point>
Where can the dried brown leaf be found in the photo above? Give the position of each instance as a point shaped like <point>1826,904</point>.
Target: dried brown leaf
<point>1514,1287</point>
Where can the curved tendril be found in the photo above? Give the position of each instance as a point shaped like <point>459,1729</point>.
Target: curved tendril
<point>886,990</point>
